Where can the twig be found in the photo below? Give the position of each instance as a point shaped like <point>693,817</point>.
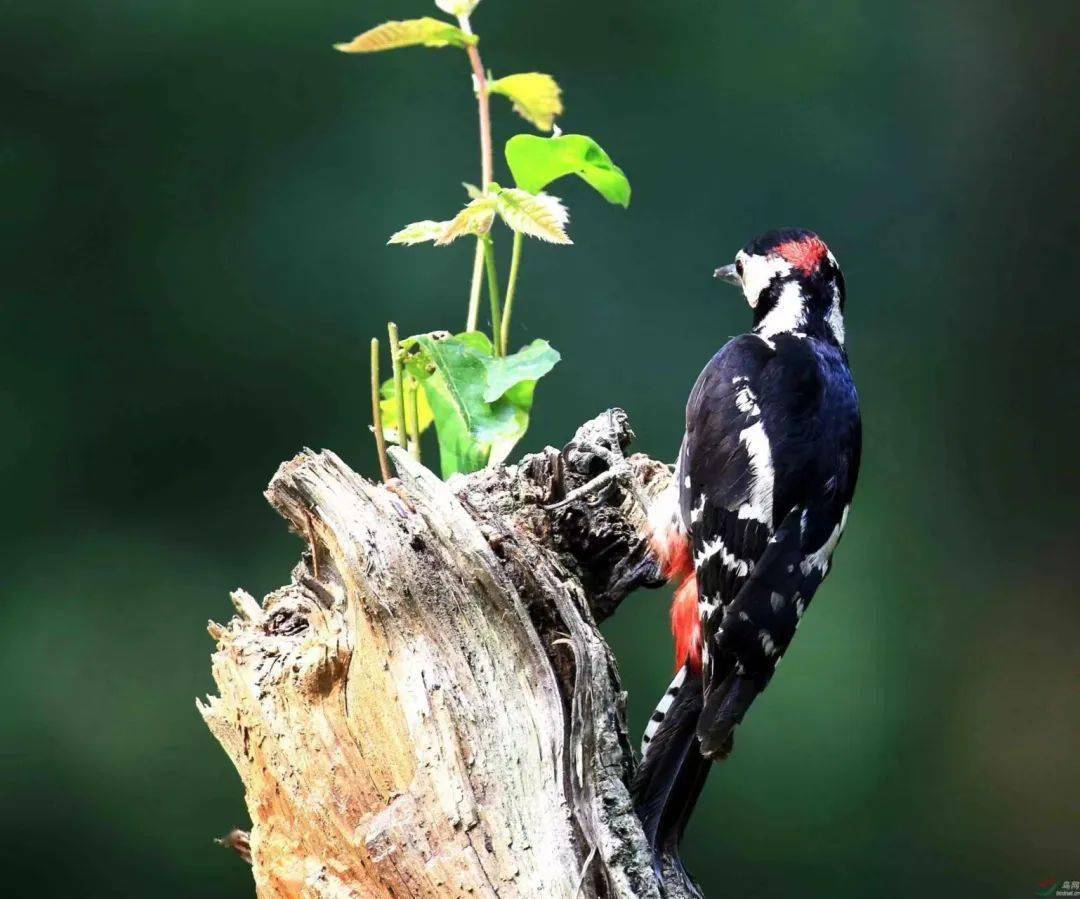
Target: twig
<point>493,294</point>
<point>483,104</point>
<point>399,381</point>
<point>414,429</point>
<point>376,411</point>
<point>511,290</point>
<point>473,317</point>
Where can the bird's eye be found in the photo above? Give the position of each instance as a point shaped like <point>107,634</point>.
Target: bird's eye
<point>738,267</point>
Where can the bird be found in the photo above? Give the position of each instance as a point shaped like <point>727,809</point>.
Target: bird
<point>757,504</point>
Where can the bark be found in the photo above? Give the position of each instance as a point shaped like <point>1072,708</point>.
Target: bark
<point>428,709</point>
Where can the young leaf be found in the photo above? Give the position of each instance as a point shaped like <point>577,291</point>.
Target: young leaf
<point>388,405</point>
<point>475,219</point>
<point>457,7</point>
<point>480,404</point>
<point>411,33</point>
<point>537,161</point>
<point>530,363</point>
<point>472,190</point>
<point>518,374</point>
<point>538,215</point>
<point>451,371</point>
<point>536,97</point>
<point>419,232</point>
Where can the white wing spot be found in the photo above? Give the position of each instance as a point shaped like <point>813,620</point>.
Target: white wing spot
<point>759,506</point>
<point>728,559</point>
<point>698,510</point>
<point>820,558</point>
<point>746,402</point>
<point>767,643</point>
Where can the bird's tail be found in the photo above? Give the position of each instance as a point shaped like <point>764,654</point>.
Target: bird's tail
<point>672,771</point>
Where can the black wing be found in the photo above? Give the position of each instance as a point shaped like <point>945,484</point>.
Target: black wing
<point>723,499</point>
<point>772,445</point>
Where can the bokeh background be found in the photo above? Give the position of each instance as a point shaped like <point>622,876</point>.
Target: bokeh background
<point>196,198</point>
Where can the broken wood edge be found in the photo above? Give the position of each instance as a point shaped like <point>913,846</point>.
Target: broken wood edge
<point>428,708</point>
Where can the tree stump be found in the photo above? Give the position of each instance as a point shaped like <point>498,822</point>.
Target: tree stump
<point>428,709</point>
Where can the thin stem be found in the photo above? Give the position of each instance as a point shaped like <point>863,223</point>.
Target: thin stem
<point>474,291</point>
<point>399,381</point>
<point>483,103</point>
<point>376,411</point>
<point>414,424</point>
<point>493,294</point>
<point>511,290</point>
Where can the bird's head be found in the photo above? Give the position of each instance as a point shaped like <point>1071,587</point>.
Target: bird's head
<point>792,282</point>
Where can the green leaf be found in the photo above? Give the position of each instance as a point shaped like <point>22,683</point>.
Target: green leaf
<point>537,97</point>
<point>538,215</point>
<point>480,404</point>
<point>451,371</point>
<point>530,363</point>
<point>537,161</point>
<point>388,405</point>
<point>419,232</point>
<point>457,7</point>
<point>427,31</point>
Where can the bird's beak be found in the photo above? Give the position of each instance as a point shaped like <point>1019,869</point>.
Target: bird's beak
<point>727,273</point>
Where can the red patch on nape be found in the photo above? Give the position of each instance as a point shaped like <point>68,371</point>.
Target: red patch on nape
<point>805,255</point>
<point>686,625</point>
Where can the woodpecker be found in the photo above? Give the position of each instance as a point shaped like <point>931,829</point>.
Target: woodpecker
<point>757,504</point>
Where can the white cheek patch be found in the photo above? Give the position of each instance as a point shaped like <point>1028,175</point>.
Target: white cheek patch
<point>788,315</point>
<point>835,318</point>
<point>758,272</point>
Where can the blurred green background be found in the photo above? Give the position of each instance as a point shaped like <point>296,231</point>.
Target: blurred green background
<point>197,196</point>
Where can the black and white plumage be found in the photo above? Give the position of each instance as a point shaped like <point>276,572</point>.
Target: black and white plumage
<point>760,499</point>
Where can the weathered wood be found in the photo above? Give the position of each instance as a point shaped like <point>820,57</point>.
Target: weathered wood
<point>428,708</point>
